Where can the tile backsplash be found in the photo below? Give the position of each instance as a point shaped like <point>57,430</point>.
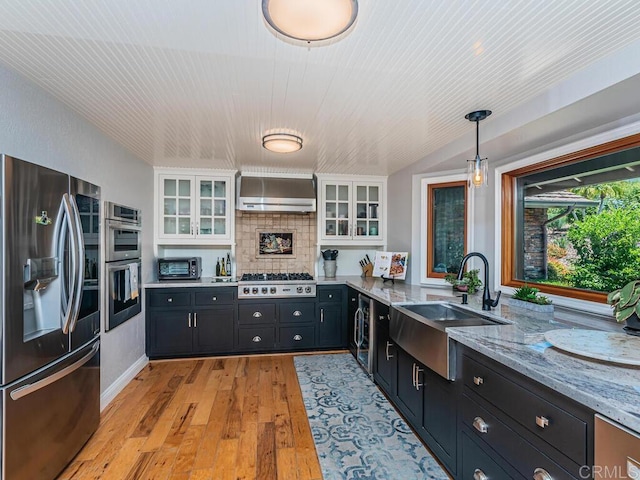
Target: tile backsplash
<point>304,247</point>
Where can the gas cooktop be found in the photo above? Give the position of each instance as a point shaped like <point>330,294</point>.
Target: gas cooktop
<point>275,277</point>
<point>276,285</point>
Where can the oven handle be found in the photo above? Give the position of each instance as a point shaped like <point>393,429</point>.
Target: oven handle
<point>118,225</point>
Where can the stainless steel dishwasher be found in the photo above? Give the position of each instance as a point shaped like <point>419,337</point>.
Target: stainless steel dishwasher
<point>616,451</point>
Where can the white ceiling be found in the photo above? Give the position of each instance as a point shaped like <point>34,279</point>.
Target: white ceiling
<point>198,82</point>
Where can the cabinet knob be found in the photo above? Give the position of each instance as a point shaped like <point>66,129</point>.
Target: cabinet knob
<point>297,313</point>
<point>541,474</point>
<point>479,475</point>
<point>330,295</point>
<point>215,299</point>
<point>542,421</point>
<point>256,339</point>
<point>257,314</point>
<point>478,380</point>
<point>169,300</point>
<point>480,425</point>
<point>297,338</point>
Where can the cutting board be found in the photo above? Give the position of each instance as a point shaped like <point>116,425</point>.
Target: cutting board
<point>608,346</point>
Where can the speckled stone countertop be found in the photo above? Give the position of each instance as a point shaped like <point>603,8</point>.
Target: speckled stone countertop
<point>609,389</point>
<point>202,282</point>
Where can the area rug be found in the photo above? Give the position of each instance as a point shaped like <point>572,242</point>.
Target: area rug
<point>358,434</point>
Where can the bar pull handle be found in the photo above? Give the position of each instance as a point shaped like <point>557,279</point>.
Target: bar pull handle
<point>297,313</point>
<point>541,474</point>
<point>480,425</point>
<point>322,315</point>
<point>542,421</point>
<point>479,475</point>
<point>478,380</point>
<point>297,338</point>
<point>413,374</point>
<point>388,355</point>
<point>197,228</point>
<point>256,339</point>
<point>191,228</point>
<point>418,372</point>
<point>195,320</point>
<point>189,321</point>
<point>257,314</point>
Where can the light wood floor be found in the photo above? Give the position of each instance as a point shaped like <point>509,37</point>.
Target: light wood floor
<point>212,418</point>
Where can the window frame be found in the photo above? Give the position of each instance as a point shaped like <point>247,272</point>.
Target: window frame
<point>506,197</point>
<point>427,185</point>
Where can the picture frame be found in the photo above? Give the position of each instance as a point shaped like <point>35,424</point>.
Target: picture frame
<point>280,244</point>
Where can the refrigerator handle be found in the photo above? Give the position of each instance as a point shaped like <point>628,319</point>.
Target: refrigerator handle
<point>29,388</point>
<point>64,221</point>
<point>79,265</point>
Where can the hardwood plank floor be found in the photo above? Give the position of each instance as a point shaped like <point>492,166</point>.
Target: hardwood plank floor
<point>237,418</point>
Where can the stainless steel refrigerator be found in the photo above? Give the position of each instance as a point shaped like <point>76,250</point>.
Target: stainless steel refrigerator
<point>50,331</point>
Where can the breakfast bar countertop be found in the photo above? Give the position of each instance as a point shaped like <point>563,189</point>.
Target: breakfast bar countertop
<point>610,389</point>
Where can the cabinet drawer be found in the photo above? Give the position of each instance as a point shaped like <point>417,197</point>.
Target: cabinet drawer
<point>169,299</point>
<point>296,337</point>
<point>215,296</point>
<point>256,338</point>
<point>297,312</point>
<point>329,294</point>
<point>476,462</point>
<point>523,456</point>
<point>551,423</point>
<point>256,313</point>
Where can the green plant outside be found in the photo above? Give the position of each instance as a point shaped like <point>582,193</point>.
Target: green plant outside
<point>530,294</point>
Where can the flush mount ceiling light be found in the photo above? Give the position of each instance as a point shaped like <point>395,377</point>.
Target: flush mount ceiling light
<point>310,21</point>
<point>282,142</point>
<point>477,171</point>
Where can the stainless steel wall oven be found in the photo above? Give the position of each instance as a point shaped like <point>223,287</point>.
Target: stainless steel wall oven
<point>124,263</point>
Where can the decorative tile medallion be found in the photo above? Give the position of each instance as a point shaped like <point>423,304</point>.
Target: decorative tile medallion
<point>357,432</point>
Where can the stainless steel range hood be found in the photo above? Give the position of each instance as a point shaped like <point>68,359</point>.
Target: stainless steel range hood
<point>276,194</point>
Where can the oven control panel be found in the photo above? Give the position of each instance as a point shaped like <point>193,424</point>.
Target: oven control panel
<point>285,290</point>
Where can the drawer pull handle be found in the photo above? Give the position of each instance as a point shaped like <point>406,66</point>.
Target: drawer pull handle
<point>480,425</point>
<point>478,380</point>
<point>257,314</point>
<point>215,299</point>
<point>418,372</point>
<point>542,422</point>
<point>169,300</point>
<point>189,321</point>
<point>389,356</point>
<point>297,313</point>
<point>195,319</point>
<point>541,474</point>
<point>479,475</point>
<point>297,338</point>
<point>256,339</point>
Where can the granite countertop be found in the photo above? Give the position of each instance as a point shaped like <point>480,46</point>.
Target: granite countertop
<point>202,282</point>
<point>612,390</point>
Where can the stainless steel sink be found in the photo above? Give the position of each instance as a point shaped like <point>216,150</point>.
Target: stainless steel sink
<point>420,330</point>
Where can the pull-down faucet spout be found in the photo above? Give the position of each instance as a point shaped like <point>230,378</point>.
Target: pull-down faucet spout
<point>487,302</point>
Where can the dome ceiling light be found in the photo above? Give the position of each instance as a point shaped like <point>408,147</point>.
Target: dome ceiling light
<point>310,21</point>
<point>477,171</point>
<point>282,142</point>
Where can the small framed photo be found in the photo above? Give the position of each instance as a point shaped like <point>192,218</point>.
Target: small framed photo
<point>276,244</point>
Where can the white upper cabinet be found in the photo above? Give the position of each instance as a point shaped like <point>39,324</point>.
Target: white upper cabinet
<point>352,210</point>
<point>194,209</point>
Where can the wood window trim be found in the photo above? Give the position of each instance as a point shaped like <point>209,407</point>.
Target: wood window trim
<point>430,230</point>
<point>508,216</point>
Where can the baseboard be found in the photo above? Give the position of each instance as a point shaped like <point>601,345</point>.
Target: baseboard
<point>122,381</point>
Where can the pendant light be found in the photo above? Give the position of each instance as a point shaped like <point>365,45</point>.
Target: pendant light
<point>282,142</point>
<point>310,21</point>
<point>477,171</point>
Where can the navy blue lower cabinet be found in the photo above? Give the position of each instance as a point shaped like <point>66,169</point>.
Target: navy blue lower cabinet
<point>386,358</point>
<point>409,388</point>
<point>330,316</point>
<point>213,329</point>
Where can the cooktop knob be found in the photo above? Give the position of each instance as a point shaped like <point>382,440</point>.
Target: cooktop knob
<point>273,290</point>
<point>245,290</point>
<point>299,289</point>
<point>307,289</point>
<point>254,290</point>
<point>264,290</point>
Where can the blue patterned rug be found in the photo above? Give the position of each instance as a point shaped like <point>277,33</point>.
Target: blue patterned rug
<point>358,434</point>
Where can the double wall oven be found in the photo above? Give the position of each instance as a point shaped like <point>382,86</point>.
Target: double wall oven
<point>123,263</point>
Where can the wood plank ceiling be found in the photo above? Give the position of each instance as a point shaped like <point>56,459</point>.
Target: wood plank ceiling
<point>198,83</point>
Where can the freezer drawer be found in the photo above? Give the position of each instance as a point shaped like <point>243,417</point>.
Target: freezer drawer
<point>49,416</point>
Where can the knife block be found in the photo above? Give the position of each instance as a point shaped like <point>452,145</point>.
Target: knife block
<point>367,270</point>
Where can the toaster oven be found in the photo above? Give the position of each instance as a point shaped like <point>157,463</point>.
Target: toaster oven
<point>179,268</point>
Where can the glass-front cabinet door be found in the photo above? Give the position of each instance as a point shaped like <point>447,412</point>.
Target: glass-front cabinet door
<point>194,209</point>
<point>351,211</point>
<point>337,210</point>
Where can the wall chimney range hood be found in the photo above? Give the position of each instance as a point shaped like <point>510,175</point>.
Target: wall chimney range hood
<point>276,194</point>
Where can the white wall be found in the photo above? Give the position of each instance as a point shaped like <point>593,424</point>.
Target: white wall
<point>36,127</point>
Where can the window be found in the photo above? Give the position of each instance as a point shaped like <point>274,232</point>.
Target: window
<point>446,227</point>
<point>571,225</point>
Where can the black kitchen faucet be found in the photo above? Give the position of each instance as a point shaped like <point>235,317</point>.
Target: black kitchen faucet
<point>487,302</point>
